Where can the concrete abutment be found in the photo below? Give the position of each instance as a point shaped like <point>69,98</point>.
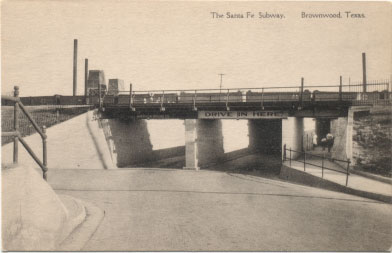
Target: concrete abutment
<point>191,161</point>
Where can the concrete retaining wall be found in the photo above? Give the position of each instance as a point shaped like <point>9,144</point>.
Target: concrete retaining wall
<point>33,216</point>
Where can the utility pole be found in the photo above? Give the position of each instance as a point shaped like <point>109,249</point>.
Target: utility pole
<point>221,82</point>
<point>220,86</point>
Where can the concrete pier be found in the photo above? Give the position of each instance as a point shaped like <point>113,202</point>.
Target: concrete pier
<point>191,161</point>
<point>209,141</point>
<point>292,131</point>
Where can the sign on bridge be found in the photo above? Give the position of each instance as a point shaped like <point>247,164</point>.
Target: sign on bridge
<point>241,115</point>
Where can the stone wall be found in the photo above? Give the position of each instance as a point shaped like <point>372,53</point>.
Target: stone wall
<point>372,140</point>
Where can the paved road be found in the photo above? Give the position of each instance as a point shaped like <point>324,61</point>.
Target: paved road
<point>176,210</point>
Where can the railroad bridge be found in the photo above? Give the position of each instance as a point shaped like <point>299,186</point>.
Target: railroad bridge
<point>275,115</point>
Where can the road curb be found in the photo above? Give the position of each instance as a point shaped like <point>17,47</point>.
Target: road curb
<point>371,176</point>
<point>82,233</point>
<point>76,213</point>
<point>296,176</point>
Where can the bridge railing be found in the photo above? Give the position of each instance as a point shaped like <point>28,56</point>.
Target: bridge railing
<point>18,137</point>
<point>375,92</point>
<point>305,158</point>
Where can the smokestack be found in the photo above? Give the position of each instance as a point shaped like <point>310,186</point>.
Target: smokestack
<point>85,76</point>
<point>75,66</point>
<point>364,71</point>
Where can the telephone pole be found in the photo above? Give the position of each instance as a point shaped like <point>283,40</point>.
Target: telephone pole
<point>220,86</point>
<point>221,80</point>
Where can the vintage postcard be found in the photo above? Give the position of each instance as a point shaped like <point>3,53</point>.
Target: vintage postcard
<point>196,125</point>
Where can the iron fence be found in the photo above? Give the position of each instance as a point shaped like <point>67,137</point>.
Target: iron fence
<point>288,156</point>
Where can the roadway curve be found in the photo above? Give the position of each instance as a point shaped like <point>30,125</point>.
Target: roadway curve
<point>176,210</point>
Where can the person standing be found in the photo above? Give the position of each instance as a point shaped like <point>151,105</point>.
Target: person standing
<point>323,143</point>
<point>330,141</point>
<point>314,141</point>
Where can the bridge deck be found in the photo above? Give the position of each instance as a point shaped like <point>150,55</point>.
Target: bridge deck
<point>301,101</point>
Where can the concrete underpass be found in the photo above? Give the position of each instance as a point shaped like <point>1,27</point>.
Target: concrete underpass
<point>198,143</point>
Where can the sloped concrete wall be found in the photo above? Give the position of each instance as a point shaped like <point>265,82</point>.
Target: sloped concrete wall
<point>130,139</point>
<point>33,217</point>
<point>76,143</point>
<point>131,145</point>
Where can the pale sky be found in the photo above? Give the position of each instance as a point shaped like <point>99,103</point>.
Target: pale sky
<point>178,45</point>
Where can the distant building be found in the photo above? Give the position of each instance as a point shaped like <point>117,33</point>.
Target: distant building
<point>115,86</point>
<point>96,78</point>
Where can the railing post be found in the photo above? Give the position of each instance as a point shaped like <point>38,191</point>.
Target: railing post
<point>16,124</point>
<point>227,100</point>
<point>322,167</point>
<point>304,161</point>
<point>347,173</point>
<point>284,152</point>
<point>194,101</point>
<point>307,142</point>
<point>340,90</point>
<point>364,82</point>
<point>301,93</point>
<point>130,96</point>
<point>290,156</point>
<point>44,154</point>
<point>57,115</point>
<point>162,99</point>
<point>99,95</point>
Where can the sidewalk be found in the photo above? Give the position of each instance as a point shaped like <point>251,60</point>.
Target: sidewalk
<point>356,182</point>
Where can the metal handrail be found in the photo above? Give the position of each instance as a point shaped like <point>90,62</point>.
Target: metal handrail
<point>18,137</point>
<point>322,161</point>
